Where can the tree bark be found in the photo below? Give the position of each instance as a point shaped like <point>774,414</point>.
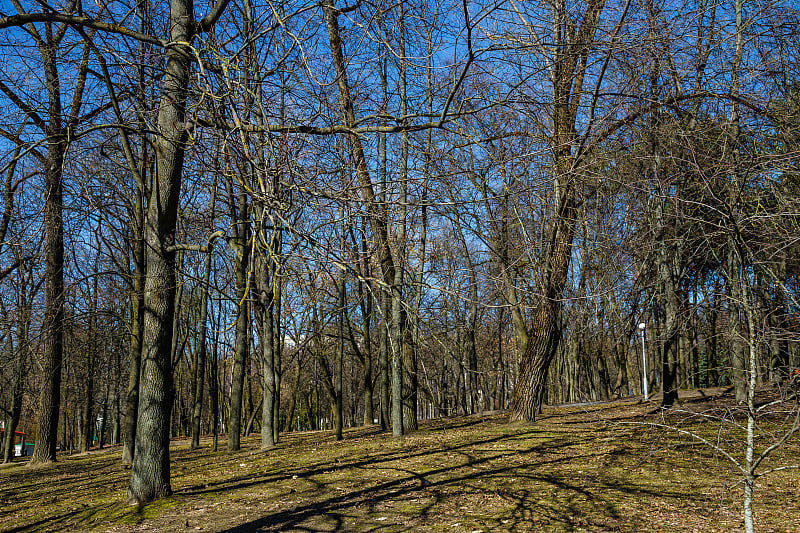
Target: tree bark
<point>383,354</point>
<point>137,323</point>
<point>545,331</point>
<point>670,329</point>
<point>150,475</point>
<point>339,363</point>
<point>568,71</point>
<point>736,277</point>
<point>266,318</point>
<point>53,342</point>
<point>241,343</point>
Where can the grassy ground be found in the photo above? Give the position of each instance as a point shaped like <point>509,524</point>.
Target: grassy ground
<point>594,468</point>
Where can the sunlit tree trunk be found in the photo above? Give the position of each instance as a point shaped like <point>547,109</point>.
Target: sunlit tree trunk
<point>241,243</point>
<point>56,132</point>
<point>568,72</point>
<point>150,475</point>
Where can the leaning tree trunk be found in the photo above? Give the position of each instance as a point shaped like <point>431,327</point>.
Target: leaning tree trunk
<point>545,331</point>
<point>568,69</point>
<point>378,223</point>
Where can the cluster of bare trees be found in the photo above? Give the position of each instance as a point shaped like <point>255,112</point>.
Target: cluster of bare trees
<point>245,216</point>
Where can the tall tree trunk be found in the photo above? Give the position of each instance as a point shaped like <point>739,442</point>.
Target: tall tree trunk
<point>410,379</point>
<point>137,321</point>
<point>139,265</point>
<point>510,278</point>
<point>241,342</point>
<point>382,295</point>
<point>736,277</point>
<point>150,476</point>
<point>56,126</point>
<point>338,375</point>
<point>378,222</point>
<point>265,305</point>
<point>202,349</point>
<point>366,313</point>
<point>472,322</point>
<point>670,304</point>
<point>53,341</point>
<point>383,349</point>
<point>545,331</point>
<point>568,70</point>
<point>400,348</point>
<point>213,391</point>
<point>277,287</point>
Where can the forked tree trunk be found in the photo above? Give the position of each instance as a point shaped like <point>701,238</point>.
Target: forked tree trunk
<point>568,69</point>
<point>545,332</point>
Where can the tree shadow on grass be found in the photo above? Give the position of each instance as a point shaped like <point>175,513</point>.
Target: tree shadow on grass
<point>50,523</point>
<point>433,492</point>
<point>325,467</point>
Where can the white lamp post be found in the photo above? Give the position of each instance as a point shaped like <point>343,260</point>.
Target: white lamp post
<point>642,325</point>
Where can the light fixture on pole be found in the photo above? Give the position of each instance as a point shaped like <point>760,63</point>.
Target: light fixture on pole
<point>642,325</point>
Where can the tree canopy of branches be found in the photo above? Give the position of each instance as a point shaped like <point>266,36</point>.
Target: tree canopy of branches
<point>230,216</point>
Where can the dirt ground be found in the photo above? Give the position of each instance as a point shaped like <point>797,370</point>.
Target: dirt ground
<point>624,466</point>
